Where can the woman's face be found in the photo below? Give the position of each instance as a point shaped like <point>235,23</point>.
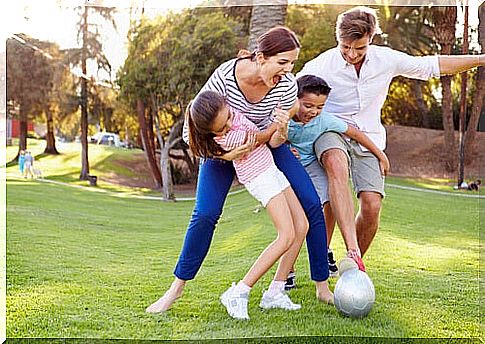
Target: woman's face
<point>273,68</point>
<point>222,122</point>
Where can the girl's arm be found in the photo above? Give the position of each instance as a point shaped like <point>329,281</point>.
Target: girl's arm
<point>364,140</point>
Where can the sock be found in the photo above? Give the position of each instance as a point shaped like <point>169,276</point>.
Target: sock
<point>275,288</point>
<point>242,288</point>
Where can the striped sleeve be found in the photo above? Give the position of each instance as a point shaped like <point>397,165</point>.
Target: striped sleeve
<point>289,97</point>
<point>232,139</point>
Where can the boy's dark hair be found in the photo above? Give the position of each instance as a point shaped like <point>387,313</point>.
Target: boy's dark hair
<point>312,84</point>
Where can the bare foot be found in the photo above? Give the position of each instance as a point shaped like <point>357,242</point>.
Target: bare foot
<point>166,301</point>
<point>323,293</point>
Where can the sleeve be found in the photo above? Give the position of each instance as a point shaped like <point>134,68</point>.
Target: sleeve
<point>216,84</point>
<point>415,67</point>
<point>289,97</point>
<point>232,139</point>
<point>330,122</point>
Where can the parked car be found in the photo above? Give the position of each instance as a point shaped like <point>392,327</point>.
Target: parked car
<point>105,138</point>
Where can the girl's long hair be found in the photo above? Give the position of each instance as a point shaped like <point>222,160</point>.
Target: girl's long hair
<point>200,115</point>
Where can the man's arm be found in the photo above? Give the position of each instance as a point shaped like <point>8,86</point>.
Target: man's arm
<point>452,64</point>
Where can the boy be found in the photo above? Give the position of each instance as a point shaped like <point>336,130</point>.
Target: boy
<point>304,129</point>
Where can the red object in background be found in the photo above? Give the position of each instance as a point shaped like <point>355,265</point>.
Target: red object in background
<point>16,127</point>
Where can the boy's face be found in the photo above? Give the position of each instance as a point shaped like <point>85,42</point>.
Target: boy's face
<point>311,105</point>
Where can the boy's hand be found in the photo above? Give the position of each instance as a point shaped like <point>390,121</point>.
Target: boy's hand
<point>384,164</point>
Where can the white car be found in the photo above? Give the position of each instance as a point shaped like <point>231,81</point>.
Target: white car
<point>105,138</point>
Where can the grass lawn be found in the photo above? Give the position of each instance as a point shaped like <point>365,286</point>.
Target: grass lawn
<point>86,265</point>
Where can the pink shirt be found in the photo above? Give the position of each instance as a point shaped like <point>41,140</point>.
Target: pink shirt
<point>258,161</point>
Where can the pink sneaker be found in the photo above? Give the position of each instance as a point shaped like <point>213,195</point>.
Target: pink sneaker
<point>355,255</point>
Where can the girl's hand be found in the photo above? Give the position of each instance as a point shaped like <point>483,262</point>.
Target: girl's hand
<point>384,164</point>
<point>243,150</point>
<point>295,152</point>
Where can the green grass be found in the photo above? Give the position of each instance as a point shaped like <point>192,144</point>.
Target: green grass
<point>86,265</point>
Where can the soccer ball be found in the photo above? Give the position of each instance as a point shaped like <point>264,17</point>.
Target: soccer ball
<point>354,294</point>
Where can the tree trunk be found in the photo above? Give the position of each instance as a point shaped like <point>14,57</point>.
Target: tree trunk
<point>422,108</point>
<point>84,103</point>
<point>264,17</point>
<point>478,98</point>
<point>445,20</point>
<point>49,137</point>
<point>23,122</point>
<point>152,164</point>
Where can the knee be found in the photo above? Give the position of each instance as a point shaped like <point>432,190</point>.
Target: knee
<point>287,239</point>
<point>205,219</point>
<point>301,228</point>
<point>336,165</point>
<point>371,206</point>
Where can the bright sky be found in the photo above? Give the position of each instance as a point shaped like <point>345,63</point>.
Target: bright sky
<point>46,20</point>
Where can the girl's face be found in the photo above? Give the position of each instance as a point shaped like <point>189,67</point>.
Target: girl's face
<point>222,122</point>
<point>273,68</point>
<point>311,105</point>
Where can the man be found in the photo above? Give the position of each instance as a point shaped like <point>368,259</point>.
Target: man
<point>359,75</point>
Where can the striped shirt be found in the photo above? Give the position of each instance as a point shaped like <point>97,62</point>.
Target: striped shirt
<point>223,81</point>
<point>258,161</point>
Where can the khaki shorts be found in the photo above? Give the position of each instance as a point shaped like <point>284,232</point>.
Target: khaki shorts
<point>363,165</point>
<point>319,179</point>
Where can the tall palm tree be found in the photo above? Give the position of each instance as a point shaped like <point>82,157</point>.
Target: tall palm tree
<point>264,17</point>
<point>445,20</point>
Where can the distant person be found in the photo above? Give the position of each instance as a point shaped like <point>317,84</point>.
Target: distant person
<point>474,186</point>
<point>28,165</point>
<point>304,129</point>
<point>21,162</point>
<point>359,74</point>
<point>214,129</point>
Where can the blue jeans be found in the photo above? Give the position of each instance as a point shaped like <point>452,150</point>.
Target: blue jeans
<point>215,179</point>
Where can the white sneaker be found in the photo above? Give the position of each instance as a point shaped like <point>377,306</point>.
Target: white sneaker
<point>280,300</point>
<point>235,303</point>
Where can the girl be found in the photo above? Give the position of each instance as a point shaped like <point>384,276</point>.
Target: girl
<point>214,129</point>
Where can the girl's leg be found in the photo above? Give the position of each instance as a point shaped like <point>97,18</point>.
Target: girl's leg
<point>214,181</point>
<point>280,212</point>
<point>316,237</point>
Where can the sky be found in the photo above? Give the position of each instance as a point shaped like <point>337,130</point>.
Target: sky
<point>46,20</point>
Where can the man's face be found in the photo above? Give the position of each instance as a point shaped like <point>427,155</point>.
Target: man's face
<point>354,51</point>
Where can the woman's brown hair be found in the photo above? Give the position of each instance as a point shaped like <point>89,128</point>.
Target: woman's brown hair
<point>200,115</point>
<point>276,40</point>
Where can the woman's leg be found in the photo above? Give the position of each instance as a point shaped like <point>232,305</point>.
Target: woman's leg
<point>316,237</point>
<point>214,181</point>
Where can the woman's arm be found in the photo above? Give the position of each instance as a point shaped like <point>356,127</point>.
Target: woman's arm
<point>364,140</point>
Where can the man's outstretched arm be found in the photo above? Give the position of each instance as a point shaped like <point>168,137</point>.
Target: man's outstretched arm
<point>452,64</point>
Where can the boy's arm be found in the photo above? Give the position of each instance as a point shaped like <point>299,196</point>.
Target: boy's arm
<point>364,140</point>
<point>282,115</point>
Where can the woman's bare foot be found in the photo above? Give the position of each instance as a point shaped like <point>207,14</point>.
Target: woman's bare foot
<point>166,301</point>
<point>323,292</point>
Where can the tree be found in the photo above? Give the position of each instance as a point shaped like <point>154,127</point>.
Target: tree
<point>92,49</point>
<point>164,71</point>
<point>264,17</point>
<point>478,99</point>
<point>444,30</point>
<point>30,76</point>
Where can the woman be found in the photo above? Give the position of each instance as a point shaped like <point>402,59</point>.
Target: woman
<point>255,84</point>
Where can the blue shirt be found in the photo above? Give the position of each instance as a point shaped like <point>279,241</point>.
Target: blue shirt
<point>302,136</point>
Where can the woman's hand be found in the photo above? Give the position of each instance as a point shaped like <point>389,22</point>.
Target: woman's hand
<point>243,150</point>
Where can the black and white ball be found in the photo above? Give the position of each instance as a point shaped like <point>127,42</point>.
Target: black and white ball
<point>354,294</point>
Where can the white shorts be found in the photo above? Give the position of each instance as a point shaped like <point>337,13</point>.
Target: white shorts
<point>267,185</point>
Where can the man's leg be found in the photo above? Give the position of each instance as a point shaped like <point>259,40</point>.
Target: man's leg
<point>367,220</point>
<point>336,165</point>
